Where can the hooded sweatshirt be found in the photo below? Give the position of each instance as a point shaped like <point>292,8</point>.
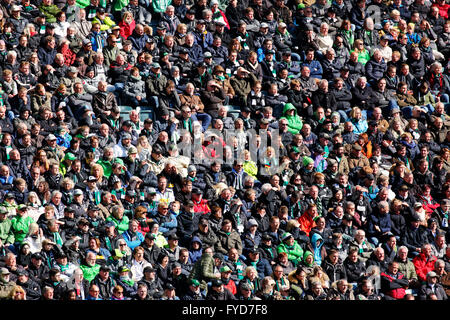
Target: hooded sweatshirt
<point>195,255</point>
<point>317,247</point>
<point>295,123</point>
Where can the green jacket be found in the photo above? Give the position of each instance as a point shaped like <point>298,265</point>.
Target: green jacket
<point>107,166</point>
<point>160,5</point>
<point>49,12</point>
<point>110,54</point>
<point>295,253</point>
<point>89,272</point>
<point>363,57</point>
<point>118,5</point>
<point>251,168</point>
<point>20,226</point>
<point>6,232</point>
<point>423,100</point>
<point>203,269</point>
<point>295,123</point>
<point>121,225</point>
<point>82,3</point>
<point>106,24</point>
<point>228,241</point>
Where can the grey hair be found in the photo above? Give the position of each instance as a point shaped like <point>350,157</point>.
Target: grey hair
<point>383,204</point>
<point>266,187</point>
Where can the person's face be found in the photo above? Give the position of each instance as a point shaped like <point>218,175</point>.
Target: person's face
<point>227,227</point>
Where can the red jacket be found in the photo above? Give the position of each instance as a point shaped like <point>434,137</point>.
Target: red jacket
<point>201,207</point>
<point>126,29</point>
<point>397,293</point>
<point>69,55</point>
<point>423,266</point>
<point>443,10</point>
<point>231,286</point>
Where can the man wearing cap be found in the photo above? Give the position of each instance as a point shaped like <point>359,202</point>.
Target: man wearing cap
<point>432,289</point>
<point>291,247</point>
<point>5,284</point>
<point>32,288</point>
<point>282,38</point>
<point>202,36</point>
<point>104,282</point>
<point>154,284</point>
<point>194,292</point>
<point>225,277</point>
<point>18,22</point>
<point>219,292</point>
<point>124,280</point>
<point>155,84</point>
<point>220,33</point>
<point>20,224</point>
<point>269,66</point>
<point>357,158</point>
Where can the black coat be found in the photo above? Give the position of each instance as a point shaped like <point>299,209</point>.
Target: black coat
<point>355,271</point>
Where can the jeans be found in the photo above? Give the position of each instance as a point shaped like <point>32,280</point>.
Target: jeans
<point>374,241</point>
<point>135,102</point>
<point>205,119</point>
<point>407,111</point>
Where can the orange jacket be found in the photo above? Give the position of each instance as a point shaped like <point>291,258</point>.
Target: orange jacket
<point>306,223</point>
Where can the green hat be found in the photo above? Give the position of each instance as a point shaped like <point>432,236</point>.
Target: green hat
<point>307,161</point>
<point>307,254</point>
<point>295,149</point>
<point>22,206</point>
<point>123,269</point>
<point>118,253</point>
<point>225,269</point>
<point>69,156</point>
<point>195,282</point>
<point>285,236</point>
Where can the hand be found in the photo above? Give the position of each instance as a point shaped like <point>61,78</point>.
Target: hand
<point>138,98</point>
<point>107,113</point>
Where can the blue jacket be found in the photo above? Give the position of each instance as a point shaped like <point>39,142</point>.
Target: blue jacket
<point>195,53</point>
<point>137,41</point>
<point>262,267</point>
<point>382,221</point>
<point>315,67</point>
<point>97,40</point>
<point>375,70</point>
<point>133,240</point>
<point>169,225</point>
<point>45,56</point>
<point>203,40</point>
<point>317,247</point>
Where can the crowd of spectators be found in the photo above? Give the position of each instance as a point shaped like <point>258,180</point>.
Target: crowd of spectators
<point>341,193</point>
